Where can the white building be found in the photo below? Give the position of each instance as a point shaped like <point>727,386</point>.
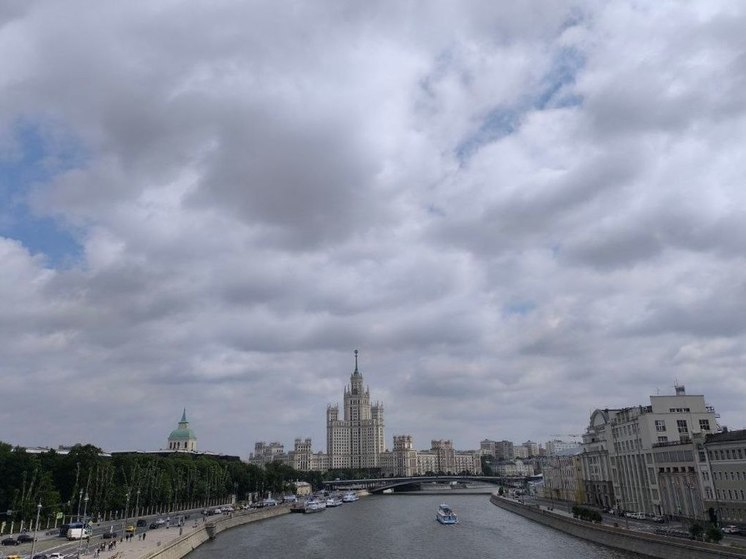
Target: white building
<point>183,439</point>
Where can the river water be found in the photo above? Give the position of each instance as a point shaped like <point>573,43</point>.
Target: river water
<point>392,526</point>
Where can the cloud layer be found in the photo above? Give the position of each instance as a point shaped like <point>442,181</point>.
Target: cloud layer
<point>518,213</point>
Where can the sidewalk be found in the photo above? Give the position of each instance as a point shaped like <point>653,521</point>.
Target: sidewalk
<point>138,548</point>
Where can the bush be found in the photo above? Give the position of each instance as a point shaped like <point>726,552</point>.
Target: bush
<point>713,534</point>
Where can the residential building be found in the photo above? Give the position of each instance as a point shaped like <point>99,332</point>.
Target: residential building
<point>266,453</point>
<point>595,464</point>
<point>725,455</point>
<point>357,439</point>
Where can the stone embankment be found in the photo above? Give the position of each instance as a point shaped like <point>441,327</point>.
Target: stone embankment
<point>181,545</point>
<point>650,545</point>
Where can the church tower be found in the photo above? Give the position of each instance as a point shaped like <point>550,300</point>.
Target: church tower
<point>183,439</point>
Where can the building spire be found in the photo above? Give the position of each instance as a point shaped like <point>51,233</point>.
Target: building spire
<point>356,371</point>
<point>183,417</point>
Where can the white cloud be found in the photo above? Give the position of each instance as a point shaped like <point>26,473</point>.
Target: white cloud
<point>507,208</point>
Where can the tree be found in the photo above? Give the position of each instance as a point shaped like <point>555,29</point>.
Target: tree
<point>713,534</point>
<point>696,530</point>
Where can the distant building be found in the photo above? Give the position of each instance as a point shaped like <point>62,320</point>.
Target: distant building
<point>183,439</point>
<point>266,453</point>
<point>356,440</point>
<point>557,446</point>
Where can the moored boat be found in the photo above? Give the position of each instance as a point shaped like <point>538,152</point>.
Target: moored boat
<point>314,505</point>
<point>350,497</point>
<point>333,501</point>
<point>445,515</point>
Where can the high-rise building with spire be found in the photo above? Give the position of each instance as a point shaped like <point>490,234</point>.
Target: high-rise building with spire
<point>356,440</point>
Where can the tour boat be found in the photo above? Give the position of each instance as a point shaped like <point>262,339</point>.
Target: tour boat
<point>333,501</point>
<point>314,505</point>
<point>445,515</point>
<point>350,497</point>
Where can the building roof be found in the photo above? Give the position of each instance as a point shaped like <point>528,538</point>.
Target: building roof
<point>182,432</point>
<point>726,436</point>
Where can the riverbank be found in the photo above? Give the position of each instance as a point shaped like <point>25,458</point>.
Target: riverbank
<point>658,547</point>
<point>175,542</point>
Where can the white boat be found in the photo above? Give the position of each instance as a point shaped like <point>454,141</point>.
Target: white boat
<point>350,497</point>
<point>445,515</point>
<point>314,505</point>
<point>333,501</point>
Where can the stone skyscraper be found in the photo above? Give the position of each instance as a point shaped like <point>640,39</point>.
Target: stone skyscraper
<point>356,441</point>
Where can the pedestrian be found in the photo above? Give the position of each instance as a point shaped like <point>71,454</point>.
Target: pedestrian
<point>180,530</point>
<point>143,535</point>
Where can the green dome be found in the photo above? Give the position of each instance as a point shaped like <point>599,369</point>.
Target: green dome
<point>181,435</point>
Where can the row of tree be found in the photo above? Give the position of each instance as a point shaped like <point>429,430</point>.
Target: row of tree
<point>84,479</point>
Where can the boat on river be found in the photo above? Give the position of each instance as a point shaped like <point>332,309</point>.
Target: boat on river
<point>314,505</point>
<point>445,515</point>
<point>350,497</point>
<point>333,501</point>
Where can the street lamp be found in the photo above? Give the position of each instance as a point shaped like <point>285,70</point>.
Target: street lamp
<point>83,529</point>
<point>137,503</point>
<point>126,510</point>
<point>80,498</point>
<point>33,542</point>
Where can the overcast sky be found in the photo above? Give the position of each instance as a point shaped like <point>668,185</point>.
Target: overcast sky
<point>518,212</point>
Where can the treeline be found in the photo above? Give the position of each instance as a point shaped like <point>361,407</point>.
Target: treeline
<point>61,482</point>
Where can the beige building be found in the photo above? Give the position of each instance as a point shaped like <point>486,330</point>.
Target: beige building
<point>356,440</point>
<point>725,494</point>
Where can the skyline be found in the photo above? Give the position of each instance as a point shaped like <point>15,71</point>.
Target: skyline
<point>518,214</point>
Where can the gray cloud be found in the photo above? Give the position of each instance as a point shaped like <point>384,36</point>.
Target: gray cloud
<point>518,213</point>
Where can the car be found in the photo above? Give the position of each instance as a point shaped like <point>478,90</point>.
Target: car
<point>25,538</point>
<point>41,556</point>
<point>130,529</point>
<point>658,518</point>
<point>10,541</point>
<point>56,555</point>
<point>731,529</point>
<point>13,556</point>
<point>141,523</point>
<point>110,535</point>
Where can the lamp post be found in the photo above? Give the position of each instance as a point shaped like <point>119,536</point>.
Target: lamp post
<point>80,498</point>
<point>36,529</point>
<point>83,529</point>
<point>126,510</point>
<point>137,503</point>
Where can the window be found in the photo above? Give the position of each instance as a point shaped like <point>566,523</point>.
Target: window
<point>660,425</point>
<point>662,439</point>
<point>681,424</point>
<point>704,424</point>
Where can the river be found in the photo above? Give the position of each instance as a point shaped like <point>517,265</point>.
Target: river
<point>392,526</point>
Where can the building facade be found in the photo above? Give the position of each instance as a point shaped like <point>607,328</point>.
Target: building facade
<point>357,439</point>
<point>725,494</point>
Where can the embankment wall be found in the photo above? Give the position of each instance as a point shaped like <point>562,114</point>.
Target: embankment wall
<point>185,544</point>
<point>661,547</point>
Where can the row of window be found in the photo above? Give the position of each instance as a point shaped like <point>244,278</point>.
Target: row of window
<point>727,454</point>
<point>725,476</point>
<point>731,495</point>
<point>681,425</point>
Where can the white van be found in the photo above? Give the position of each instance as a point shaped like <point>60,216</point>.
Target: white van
<point>79,533</point>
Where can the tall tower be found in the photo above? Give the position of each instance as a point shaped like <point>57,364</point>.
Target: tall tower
<point>183,438</point>
<point>356,440</point>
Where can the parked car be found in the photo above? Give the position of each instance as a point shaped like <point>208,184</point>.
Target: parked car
<point>10,541</point>
<point>110,535</point>
<point>731,529</point>
<point>56,555</point>
<point>13,556</point>
<point>41,556</point>
<point>141,523</point>
<point>130,529</point>
<point>658,518</point>
<point>25,538</point>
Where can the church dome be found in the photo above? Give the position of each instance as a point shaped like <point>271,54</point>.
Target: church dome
<point>181,434</point>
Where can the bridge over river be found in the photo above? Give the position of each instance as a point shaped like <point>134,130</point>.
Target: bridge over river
<point>400,484</point>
